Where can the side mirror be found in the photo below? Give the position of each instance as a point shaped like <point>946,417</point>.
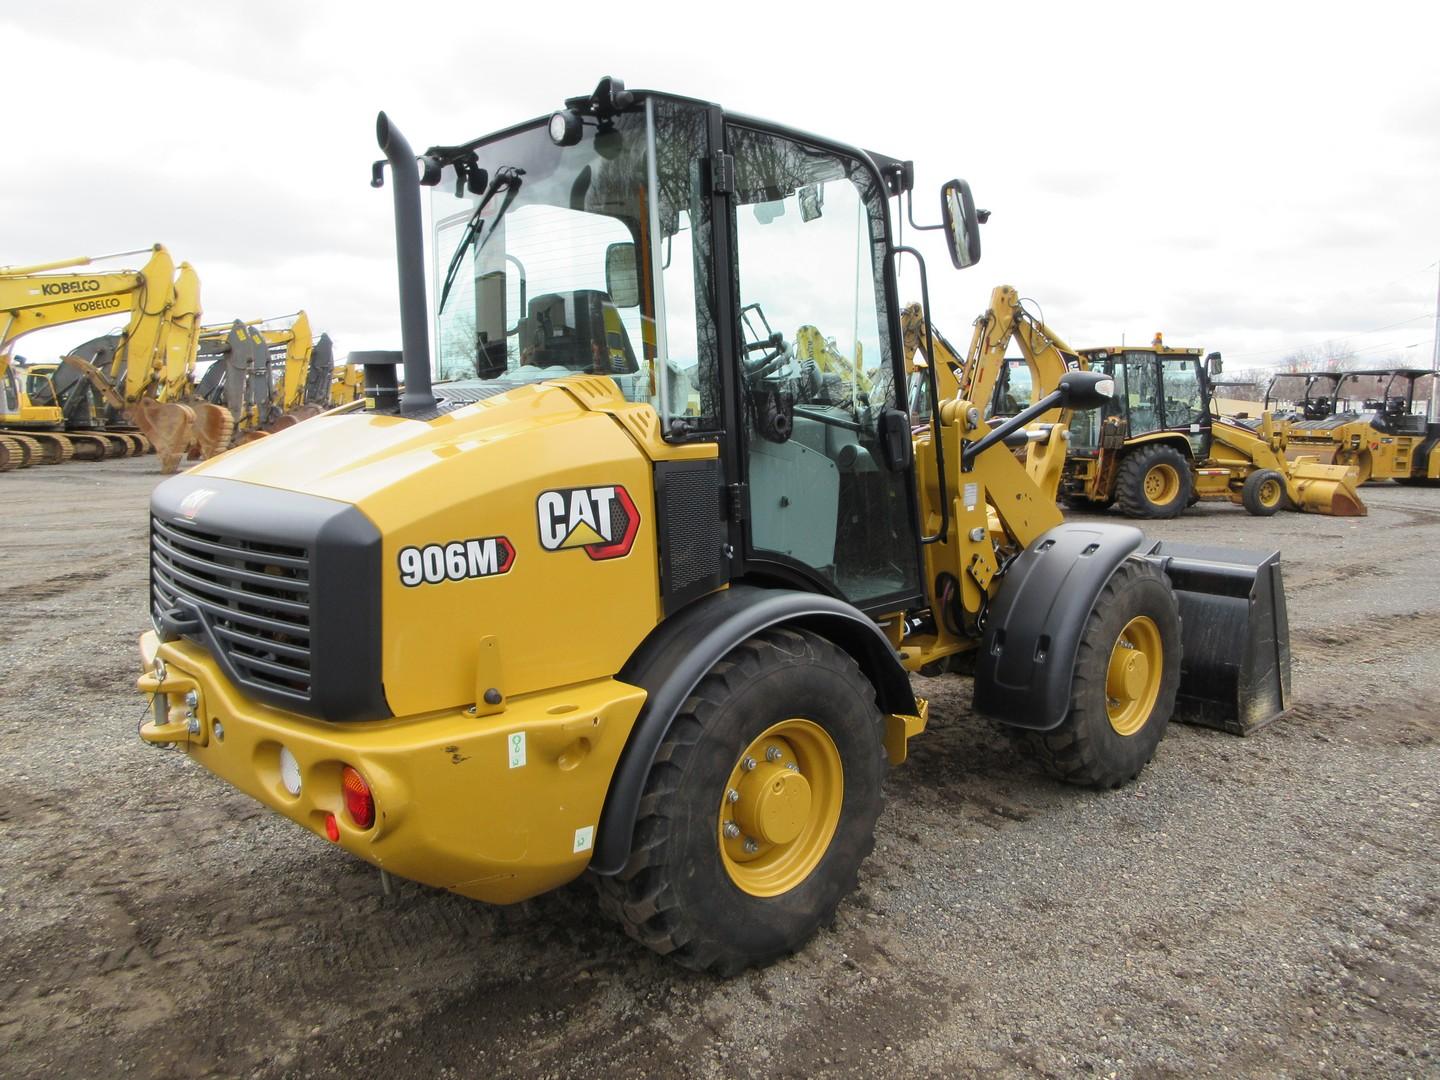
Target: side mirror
<point>962,223</point>
<point>1213,364</point>
<point>622,275</point>
<point>1084,390</point>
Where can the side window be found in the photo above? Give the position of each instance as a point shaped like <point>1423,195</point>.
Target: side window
<point>1181,382</point>
<point>816,367</point>
<point>1142,392</point>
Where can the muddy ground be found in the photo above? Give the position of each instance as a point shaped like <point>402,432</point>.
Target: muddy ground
<point>1264,906</point>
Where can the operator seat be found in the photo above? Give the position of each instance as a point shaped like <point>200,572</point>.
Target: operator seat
<point>579,330</point>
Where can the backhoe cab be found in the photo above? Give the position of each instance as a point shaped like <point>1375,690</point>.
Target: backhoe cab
<point>638,588</point>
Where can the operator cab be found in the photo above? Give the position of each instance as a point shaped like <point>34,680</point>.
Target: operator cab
<point>1156,389</point>
<point>736,276</point>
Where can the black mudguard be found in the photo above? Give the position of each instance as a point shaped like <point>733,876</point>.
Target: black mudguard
<point>1026,660</point>
<point>670,663</point>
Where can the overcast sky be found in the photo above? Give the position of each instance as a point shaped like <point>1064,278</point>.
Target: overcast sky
<point>1252,178</point>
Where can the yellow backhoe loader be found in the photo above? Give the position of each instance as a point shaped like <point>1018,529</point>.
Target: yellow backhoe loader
<point>642,597</point>
<point>149,373</point>
<point>1201,457</point>
<point>1373,420</point>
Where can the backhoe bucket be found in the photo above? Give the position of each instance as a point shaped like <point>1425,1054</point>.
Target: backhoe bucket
<point>1324,489</point>
<point>1235,635</point>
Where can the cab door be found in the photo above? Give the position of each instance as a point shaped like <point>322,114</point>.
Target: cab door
<point>818,370</point>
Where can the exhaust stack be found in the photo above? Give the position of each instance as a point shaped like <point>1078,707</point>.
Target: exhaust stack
<point>410,263</point>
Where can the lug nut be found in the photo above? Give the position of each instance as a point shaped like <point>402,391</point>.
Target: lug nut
<point>192,698</point>
<point>773,754</point>
<point>192,725</point>
<point>792,766</point>
<point>219,730</point>
<point>732,796</point>
<point>977,534</point>
<point>748,764</point>
<point>731,830</point>
<point>751,846</point>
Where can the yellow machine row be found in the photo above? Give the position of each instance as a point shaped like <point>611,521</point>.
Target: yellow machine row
<point>148,378</point>
<point>1373,421</point>
<point>641,592</point>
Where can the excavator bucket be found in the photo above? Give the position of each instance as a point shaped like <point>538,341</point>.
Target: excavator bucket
<point>169,427</point>
<point>1235,665</point>
<point>1324,489</point>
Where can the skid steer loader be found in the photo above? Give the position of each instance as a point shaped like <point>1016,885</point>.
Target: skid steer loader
<point>642,595</point>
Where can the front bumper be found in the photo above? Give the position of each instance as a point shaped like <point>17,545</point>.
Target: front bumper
<point>460,802</point>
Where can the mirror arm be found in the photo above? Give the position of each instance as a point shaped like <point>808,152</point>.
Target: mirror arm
<point>910,213</point>
<point>970,451</point>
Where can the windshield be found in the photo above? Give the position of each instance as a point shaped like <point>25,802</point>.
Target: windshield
<point>583,260</point>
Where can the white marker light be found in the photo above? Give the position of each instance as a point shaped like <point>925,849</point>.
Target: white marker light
<point>289,771</point>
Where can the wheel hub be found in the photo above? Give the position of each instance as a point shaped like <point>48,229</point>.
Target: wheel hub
<point>780,808</point>
<point>1132,680</point>
<point>774,803</point>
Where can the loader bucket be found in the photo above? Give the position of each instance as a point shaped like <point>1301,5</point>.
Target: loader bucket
<point>1324,489</point>
<point>1235,635</point>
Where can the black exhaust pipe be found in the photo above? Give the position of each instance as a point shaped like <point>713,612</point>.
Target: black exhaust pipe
<point>410,262</point>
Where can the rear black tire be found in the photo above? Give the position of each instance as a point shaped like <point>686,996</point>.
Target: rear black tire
<point>1136,489</point>
<point>675,894</point>
<point>1086,749</point>
<point>1263,493</point>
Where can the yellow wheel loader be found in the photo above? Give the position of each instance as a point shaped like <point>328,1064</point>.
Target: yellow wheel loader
<point>148,378</point>
<point>1158,447</point>
<point>1373,420</point>
<point>641,595</point>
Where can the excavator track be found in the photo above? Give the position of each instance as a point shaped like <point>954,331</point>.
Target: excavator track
<point>9,454</point>
<point>41,447</point>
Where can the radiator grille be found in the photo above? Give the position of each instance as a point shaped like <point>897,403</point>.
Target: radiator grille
<point>253,598</point>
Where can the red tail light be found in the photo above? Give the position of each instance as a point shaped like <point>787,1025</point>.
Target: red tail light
<point>358,800</point>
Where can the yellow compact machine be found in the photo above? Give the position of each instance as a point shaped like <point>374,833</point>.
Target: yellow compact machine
<point>1157,446</point>
<point>1374,420</point>
<point>641,594</point>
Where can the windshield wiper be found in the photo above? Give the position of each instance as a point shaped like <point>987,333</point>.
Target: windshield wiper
<point>507,178</point>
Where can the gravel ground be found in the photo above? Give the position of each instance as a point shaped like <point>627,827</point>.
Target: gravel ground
<point>1261,906</point>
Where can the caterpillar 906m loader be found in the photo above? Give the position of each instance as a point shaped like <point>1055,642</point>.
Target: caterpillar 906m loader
<point>642,594</point>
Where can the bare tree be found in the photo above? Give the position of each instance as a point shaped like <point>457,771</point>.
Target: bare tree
<point>1327,356</point>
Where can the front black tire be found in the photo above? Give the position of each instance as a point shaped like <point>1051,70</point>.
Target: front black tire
<point>1088,749</point>
<point>1153,482</point>
<point>676,894</point>
<point>1263,493</point>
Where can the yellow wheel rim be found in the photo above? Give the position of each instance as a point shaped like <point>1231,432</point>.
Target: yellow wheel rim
<point>1270,493</point>
<point>780,808</point>
<point>1132,682</point>
<point>1162,483</point>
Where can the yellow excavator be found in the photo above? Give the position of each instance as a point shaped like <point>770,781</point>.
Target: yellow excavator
<point>643,596</point>
<point>270,373</point>
<point>149,375</point>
